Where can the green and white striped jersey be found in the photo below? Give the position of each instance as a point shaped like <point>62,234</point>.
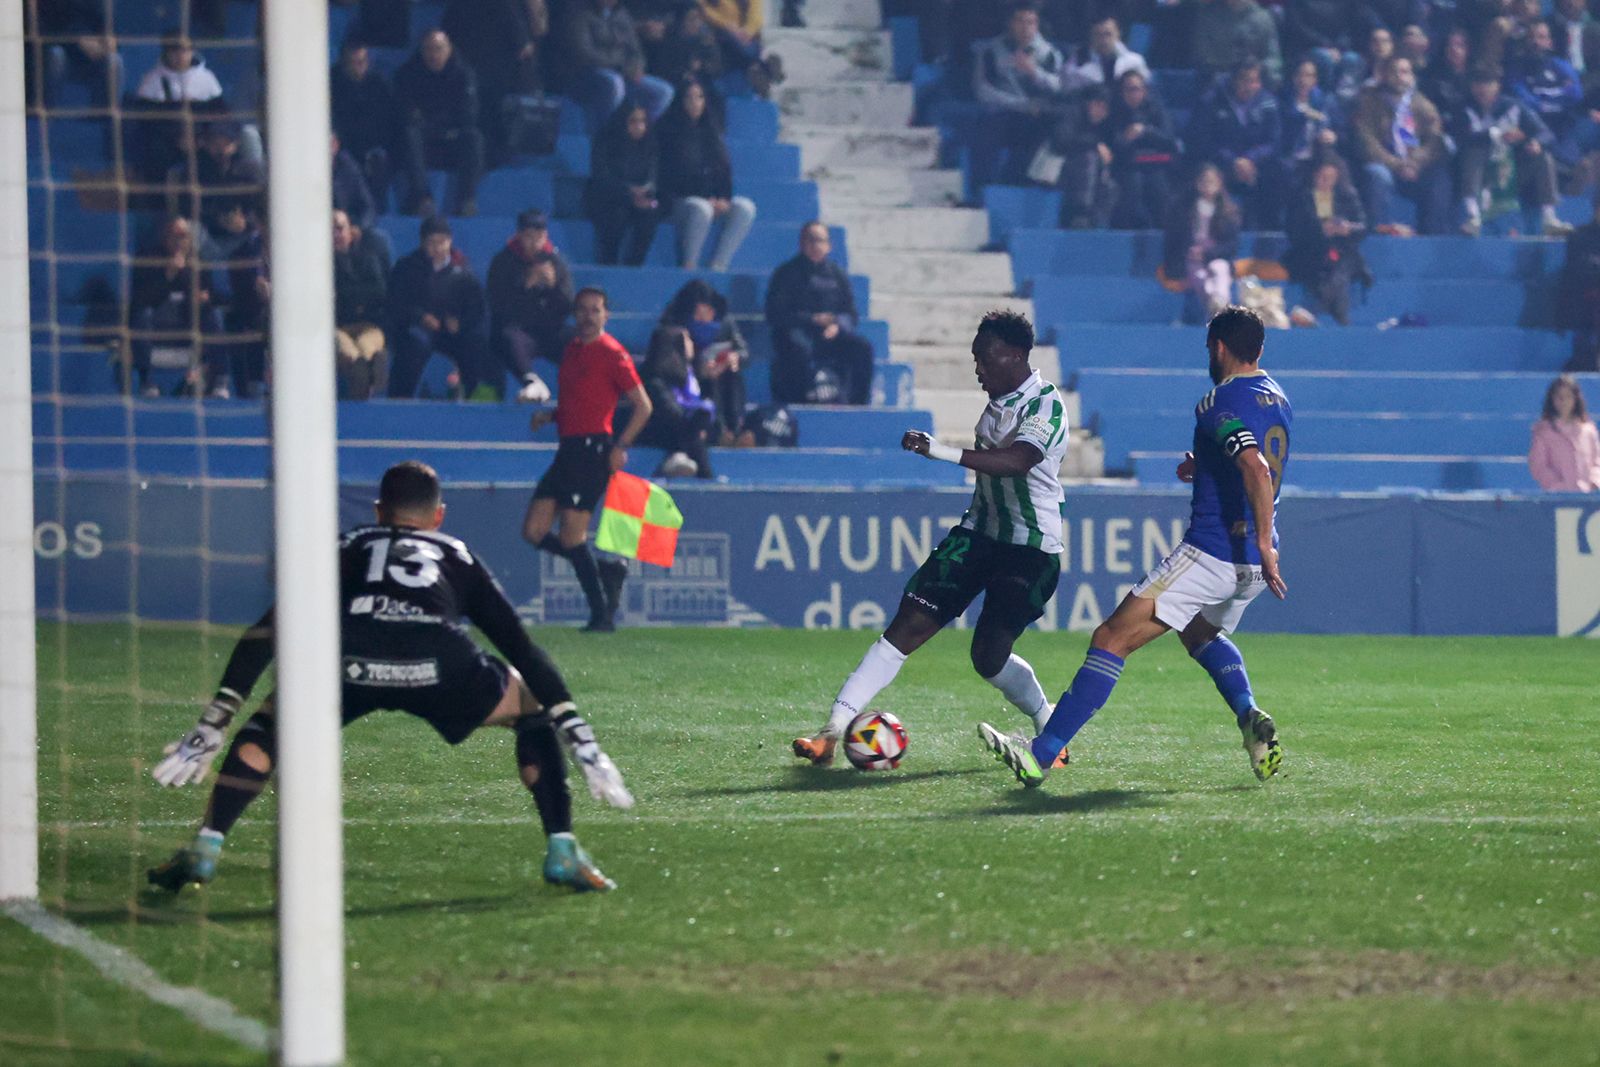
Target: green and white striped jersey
<point>1025,509</point>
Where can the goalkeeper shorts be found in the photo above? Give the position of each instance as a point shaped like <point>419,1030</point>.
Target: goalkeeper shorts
<point>445,680</point>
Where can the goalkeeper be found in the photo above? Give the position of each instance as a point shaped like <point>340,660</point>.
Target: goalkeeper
<point>404,591</point>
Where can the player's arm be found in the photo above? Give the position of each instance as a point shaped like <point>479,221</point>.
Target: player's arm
<point>1258,491</point>
<point>1019,457</point>
<point>189,758</point>
<point>640,414</point>
<point>492,613</point>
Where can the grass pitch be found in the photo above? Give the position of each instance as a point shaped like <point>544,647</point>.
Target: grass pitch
<point>1420,886</point>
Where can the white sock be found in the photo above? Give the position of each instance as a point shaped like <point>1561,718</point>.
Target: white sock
<point>872,675</point>
<point>1548,213</point>
<point>1021,686</point>
<point>1471,205</point>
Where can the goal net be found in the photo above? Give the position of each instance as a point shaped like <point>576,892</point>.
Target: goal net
<point>161,323</point>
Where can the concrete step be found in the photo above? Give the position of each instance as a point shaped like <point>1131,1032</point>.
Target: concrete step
<point>1086,456</point>
<point>959,273</point>
<point>881,187</point>
<point>950,367</point>
<point>921,229</point>
<point>837,147</point>
<point>826,56</point>
<point>938,320</point>
<point>879,105</point>
<point>838,14</point>
<point>955,414</point>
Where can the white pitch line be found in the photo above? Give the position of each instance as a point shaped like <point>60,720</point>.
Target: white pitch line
<point>127,970</point>
<point>1135,814</point>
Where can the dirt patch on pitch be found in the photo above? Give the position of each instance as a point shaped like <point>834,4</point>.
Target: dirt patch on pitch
<point>1142,978</point>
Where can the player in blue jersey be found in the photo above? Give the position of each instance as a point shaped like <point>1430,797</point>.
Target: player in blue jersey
<point>1228,556</point>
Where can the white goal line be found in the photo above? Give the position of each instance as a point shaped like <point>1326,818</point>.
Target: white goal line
<point>120,966</point>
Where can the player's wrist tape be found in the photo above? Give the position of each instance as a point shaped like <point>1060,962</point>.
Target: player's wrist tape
<point>219,712</point>
<point>939,450</point>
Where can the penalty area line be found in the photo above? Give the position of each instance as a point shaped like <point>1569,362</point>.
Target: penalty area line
<point>120,966</point>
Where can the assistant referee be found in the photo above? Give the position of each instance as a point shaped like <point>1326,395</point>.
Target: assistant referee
<point>596,374</point>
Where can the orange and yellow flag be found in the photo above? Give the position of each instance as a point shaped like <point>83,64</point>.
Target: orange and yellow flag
<point>639,521</point>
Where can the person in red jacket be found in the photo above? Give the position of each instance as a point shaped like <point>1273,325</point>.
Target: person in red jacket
<point>596,374</point>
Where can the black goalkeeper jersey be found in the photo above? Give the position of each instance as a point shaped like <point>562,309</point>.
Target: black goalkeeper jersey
<point>404,591</point>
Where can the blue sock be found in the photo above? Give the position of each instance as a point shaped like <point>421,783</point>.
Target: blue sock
<point>1091,688</point>
<point>1222,661</point>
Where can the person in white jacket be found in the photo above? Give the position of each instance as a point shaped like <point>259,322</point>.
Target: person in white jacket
<point>181,77</point>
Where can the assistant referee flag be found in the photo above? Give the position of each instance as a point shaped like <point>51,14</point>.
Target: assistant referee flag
<point>639,520</point>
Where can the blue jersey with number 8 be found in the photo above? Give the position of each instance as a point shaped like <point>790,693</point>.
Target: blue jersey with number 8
<point>1247,410</point>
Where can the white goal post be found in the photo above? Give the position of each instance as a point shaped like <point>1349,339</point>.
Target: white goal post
<point>19,759</point>
<point>306,514</point>
<point>310,838</point>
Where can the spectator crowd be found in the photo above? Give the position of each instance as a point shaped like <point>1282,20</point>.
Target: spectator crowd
<point>469,95</point>
<point>1319,117</point>
<point>1315,117</point>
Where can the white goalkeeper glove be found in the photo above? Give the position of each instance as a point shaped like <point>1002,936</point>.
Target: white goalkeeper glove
<point>602,776</point>
<point>189,758</point>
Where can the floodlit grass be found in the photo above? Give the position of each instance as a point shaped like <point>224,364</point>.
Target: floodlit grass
<point>1421,886</point>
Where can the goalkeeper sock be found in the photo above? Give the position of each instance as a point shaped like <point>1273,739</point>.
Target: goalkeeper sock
<point>1091,688</point>
<point>1221,659</point>
<point>871,677</point>
<point>540,751</point>
<point>1020,685</point>
<point>238,783</point>
<point>583,566</point>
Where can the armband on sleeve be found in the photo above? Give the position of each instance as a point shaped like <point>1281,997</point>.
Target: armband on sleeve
<point>1235,437</point>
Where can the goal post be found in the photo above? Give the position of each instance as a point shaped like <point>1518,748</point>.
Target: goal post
<point>305,503</point>
<point>19,760</point>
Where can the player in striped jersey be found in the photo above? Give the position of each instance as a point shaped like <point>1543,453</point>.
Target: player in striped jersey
<point>1228,557</point>
<point>1008,545</point>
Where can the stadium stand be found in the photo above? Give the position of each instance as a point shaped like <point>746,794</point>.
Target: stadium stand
<point>1442,404</point>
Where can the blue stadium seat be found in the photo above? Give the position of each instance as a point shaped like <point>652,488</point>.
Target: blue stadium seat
<point>1437,348</point>
<point>1325,432</point>
<point>1051,251</point>
<point>905,46</point>
<point>752,119</point>
<point>1064,300</point>
<point>400,420</point>
<point>1015,207</point>
<point>765,247</point>
<point>650,288</point>
<point>1323,473</point>
<point>760,160</point>
<point>75,146</point>
<point>1112,392</point>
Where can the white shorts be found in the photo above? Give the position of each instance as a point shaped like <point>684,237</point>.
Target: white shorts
<point>1190,582</point>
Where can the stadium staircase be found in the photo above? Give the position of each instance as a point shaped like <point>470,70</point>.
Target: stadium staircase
<point>933,272</point>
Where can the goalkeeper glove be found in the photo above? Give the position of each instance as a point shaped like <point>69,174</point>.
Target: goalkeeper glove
<point>601,775</point>
<point>189,758</point>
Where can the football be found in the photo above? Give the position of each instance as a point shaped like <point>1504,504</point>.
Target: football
<point>876,741</point>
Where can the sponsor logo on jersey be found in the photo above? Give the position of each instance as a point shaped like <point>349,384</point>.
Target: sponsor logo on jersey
<point>391,674</point>
<point>1578,572</point>
<point>390,609</point>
